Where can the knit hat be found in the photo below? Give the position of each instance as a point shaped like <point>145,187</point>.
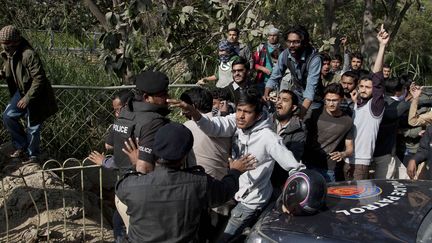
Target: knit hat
<point>9,34</point>
<point>224,45</point>
<point>173,142</point>
<point>151,82</point>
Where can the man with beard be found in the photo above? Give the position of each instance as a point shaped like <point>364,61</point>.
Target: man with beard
<point>251,128</point>
<point>329,138</point>
<point>263,59</point>
<point>304,64</point>
<point>349,83</point>
<point>31,94</point>
<point>356,61</point>
<point>368,113</point>
<point>289,127</point>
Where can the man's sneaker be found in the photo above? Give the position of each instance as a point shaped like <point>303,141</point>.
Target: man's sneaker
<point>32,159</point>
<point>19,153</point>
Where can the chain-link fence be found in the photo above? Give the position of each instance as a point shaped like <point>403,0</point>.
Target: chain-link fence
<point>65,42</point>
<point>81,123</point>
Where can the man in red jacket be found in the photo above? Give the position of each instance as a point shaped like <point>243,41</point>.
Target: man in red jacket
<point>262,58</point>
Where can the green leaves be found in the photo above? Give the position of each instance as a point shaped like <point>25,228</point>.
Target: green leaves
<point>111,40</point>
<point>162,34</point>
<point>188,9</point>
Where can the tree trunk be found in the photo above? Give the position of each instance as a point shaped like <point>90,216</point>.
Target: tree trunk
<point>329,17</point>
<point>370,44</point>
<point>97,13</point>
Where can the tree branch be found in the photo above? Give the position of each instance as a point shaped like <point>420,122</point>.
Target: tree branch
<point>400,18</point>
<point>245,10</point>
<point>97,13</point>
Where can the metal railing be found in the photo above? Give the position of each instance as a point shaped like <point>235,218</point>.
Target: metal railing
<point>51,174</point>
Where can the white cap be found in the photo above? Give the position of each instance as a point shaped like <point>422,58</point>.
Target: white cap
<point>273,31</point>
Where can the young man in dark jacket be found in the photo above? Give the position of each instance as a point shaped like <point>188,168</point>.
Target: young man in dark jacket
<point>31,93</point>
<point>292,131</point>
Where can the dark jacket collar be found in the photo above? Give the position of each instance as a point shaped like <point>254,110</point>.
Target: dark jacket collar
<point>294,125</point>
<point>148,107</point>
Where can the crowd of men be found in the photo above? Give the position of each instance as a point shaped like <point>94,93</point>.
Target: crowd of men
<point>277,110</point>
<point>262,115</point>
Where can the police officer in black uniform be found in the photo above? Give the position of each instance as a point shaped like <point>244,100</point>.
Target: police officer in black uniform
<point>166,205</point>
<point>141,118</point>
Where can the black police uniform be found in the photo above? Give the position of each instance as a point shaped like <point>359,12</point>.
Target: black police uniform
<point>142,121</point>
<point>166,204</point>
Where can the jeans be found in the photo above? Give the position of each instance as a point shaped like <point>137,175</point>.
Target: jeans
<point>118,227</point>
<point>29,141</point>
<point>241,217</point>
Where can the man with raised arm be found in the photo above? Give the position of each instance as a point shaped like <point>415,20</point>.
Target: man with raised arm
<point>367,116</point>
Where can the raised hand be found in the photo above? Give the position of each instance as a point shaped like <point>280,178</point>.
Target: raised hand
<point>415,90</point>
<point>96,157</point>
<point>131,150</point>
<point>344,41</point>
<point>383,37</point>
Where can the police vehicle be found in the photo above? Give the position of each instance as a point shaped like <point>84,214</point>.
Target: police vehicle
<point>355,211</point>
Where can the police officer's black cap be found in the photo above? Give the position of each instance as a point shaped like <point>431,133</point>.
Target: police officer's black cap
<point>151,82</point>
<point>173,142</point>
